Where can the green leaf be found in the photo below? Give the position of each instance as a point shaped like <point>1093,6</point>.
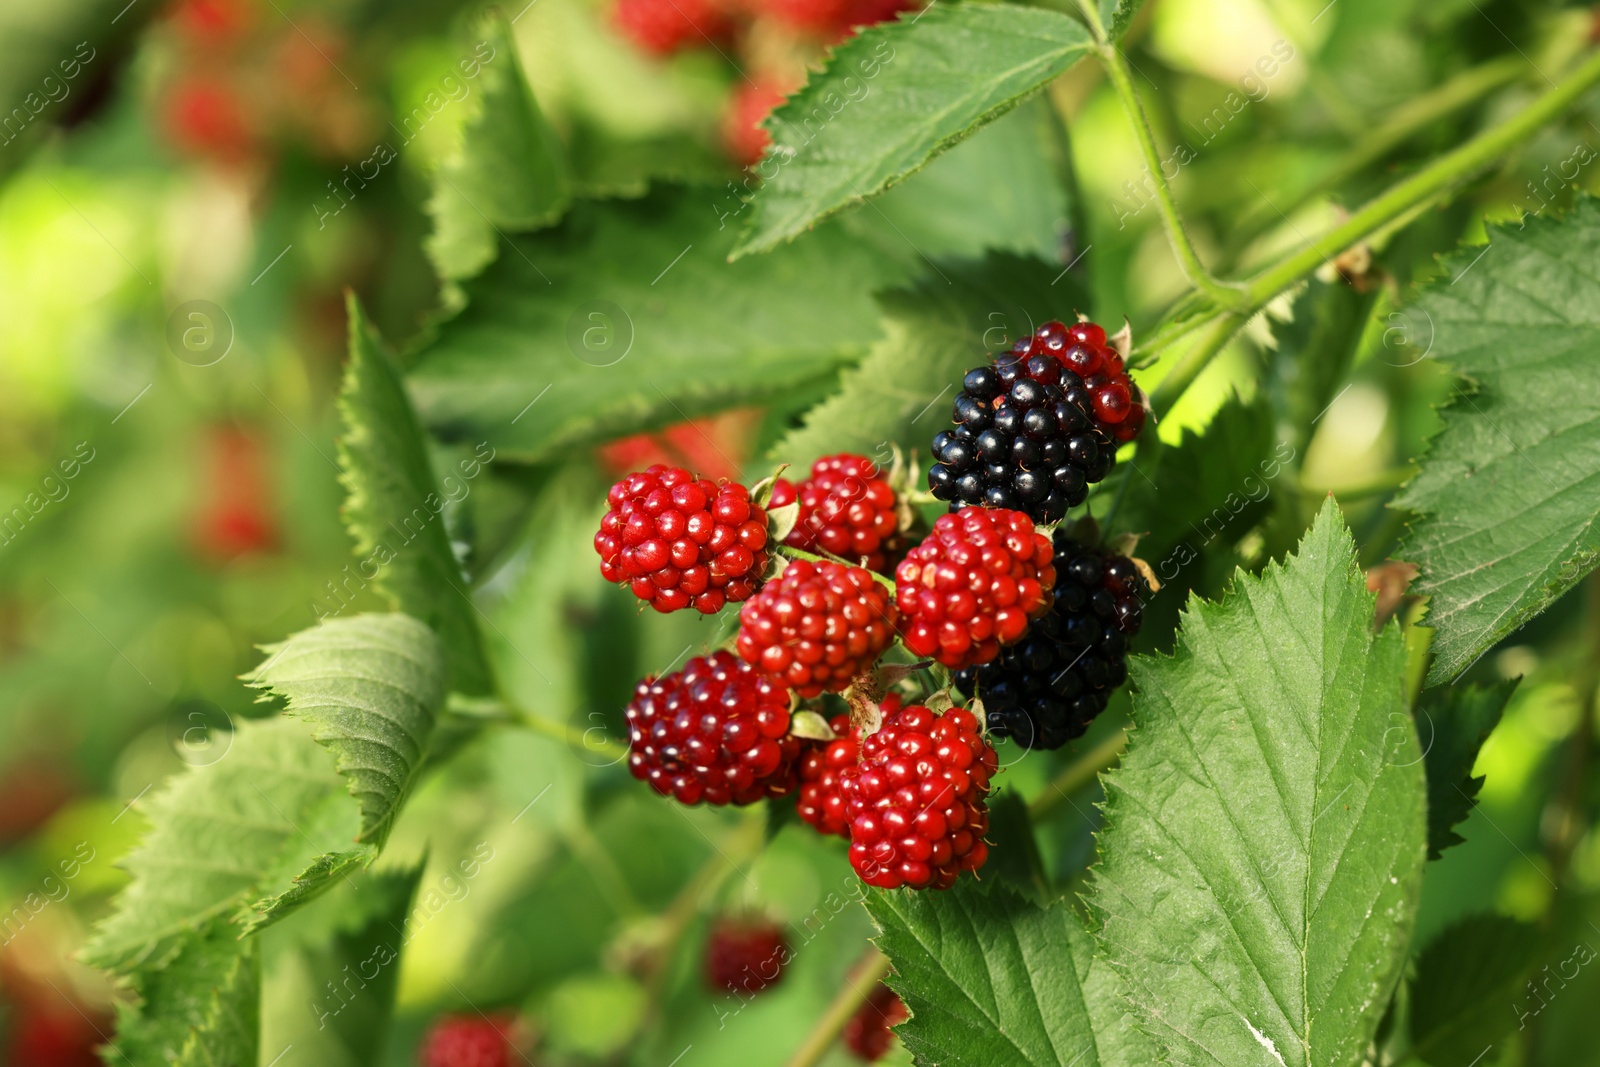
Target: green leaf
<point>1466,980</point>
<point>1265,832</point>
<point>331,972</point>
<point>394,509</point>
<point>1213,484</point>
<point>1454,722</point>
<point>893,97</point>
<point>1117,15</point>
<point>1506,492</point>
<point>1014,860</point>
<point>226,835</point>
<point>627,316</point>
<point>371,686</point>
<point>991,979</point>
<point>508,175</point>
<point>997,193</point>
<point>201,1010</point>
<point>935,331</point>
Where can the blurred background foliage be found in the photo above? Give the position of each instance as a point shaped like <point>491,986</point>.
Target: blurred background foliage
<point>197,154</point>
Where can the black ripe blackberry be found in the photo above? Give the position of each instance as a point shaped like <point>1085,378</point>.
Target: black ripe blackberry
<point>1026,436</point>
<point>1045,690</point>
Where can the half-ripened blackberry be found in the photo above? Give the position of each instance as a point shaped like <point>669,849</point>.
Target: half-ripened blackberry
<point>1026,433</point>
<point>1045,690</point>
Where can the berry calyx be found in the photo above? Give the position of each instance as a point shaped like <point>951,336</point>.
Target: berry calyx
<point>847,508</point>
<point>716,732</point>
<point>973,586</point>
<point>1036,429</point>
<point>745,955</point>
<point>677,541</point>
<point>468,1041</point>
<point>662,27</point>
<point>868,1034</point>
<point>821,802</point>
<point>916,798</point>
<point>817,625</point>
<point>1046,690</point>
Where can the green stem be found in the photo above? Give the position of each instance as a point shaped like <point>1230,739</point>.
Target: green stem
<point>1407,121</point>
<point>506,711</point>
<point>1195,360</point>
<point>1426,185</point>
<point>1079,773</point>
<point>858,986</point>
<point>1122,81</point>
<point>1413,194</point>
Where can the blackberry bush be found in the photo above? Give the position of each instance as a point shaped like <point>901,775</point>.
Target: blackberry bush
<point>684,246</point>
<point>1045,690</point>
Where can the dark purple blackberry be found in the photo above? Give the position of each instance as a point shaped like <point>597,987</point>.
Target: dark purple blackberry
<point>1025,435</point>
<point>1045,690</point>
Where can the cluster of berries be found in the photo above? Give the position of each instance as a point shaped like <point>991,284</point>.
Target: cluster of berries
<point>244,85</point>
<point>1036,429</point>
<point>1033,624</point>
<point>720,730</point>
<point>775,40</point>
<point>1032,432</point>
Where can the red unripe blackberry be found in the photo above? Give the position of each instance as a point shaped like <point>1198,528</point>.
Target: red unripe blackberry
<point>743,135</point>
<point>715,732</point>
<point>868,1032</point>
<point>1045,690</point>
<point>846,508</point>
<point>973,585</point>
<point>662,27</point>
<point>1035,430</point>
<point>678,541</point>
<point>817,625</point>
<point>468,1041</point>
<point>1118,406</point>
<point>821,801</point>
<point>745,955</point>
<point>819,17</point>
<point>916,799</point>
<point>206,117</point>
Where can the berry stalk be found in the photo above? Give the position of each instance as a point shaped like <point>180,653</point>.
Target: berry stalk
<point>1223,294</point>
<point>1077,774</point>
<point>593,740</point>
